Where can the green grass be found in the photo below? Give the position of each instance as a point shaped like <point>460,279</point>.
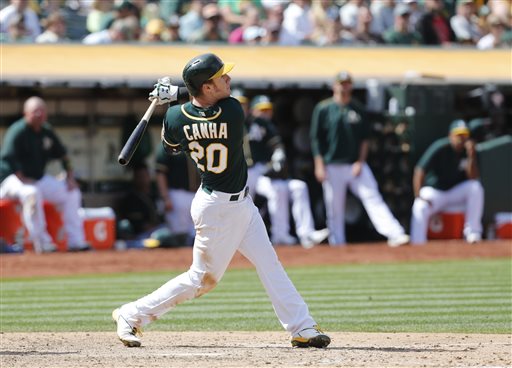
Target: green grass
<point>452,296</point>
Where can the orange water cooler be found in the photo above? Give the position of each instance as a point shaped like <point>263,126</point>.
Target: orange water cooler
<point>99,226</point>
<point>448,224</point>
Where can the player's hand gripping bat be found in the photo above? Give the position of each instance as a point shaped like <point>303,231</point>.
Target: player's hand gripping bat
<point>164,92</point>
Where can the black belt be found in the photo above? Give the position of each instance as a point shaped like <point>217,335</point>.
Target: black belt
<point>234,197</point>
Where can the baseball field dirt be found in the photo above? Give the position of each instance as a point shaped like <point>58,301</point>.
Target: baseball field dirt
<point>249,349</point>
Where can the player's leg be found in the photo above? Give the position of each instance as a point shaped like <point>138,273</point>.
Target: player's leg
<point>32,211</point>
<point>253,174</point>
<point>471,194</point>
<point>220,228</point>
<point>179,219</point>
<point>365,188</point>
<point>302,215</point>
<point>68,202</point>
<point>276,192</point>
<point>335,192</point>
<point>429,202</point>
<point>290,308</point>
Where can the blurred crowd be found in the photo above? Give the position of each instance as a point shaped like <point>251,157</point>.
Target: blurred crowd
<point>484,24</point>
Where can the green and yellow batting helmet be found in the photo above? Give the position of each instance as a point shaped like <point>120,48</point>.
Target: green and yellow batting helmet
<point>203,68</point>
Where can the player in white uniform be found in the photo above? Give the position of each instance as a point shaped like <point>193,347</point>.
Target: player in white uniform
<point>268,176</point>
<point>210,130</point>
<point>447,174</point>
<point>28,145</point>
<point>339,144</point>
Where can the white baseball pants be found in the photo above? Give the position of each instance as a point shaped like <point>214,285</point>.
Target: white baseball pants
<point>224,226</point>
<point>470,193</point>
<point>278,193</point>
<point>54,191</point>
<point>339,179</point>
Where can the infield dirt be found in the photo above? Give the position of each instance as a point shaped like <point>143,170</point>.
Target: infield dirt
<point>249,349</point>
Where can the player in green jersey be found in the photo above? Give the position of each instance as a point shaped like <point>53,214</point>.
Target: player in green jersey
<point>210,129</point>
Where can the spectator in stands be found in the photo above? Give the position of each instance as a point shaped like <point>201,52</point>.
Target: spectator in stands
<point>494,39</point>
<point>324,13</point>
<point>192,20</point>
<point>16,31</point>
<point>465,23</point>
<point>273,23</point>
<point>100,16</point>
<point>502,9</point>
<point>268,176</point>
<point>383,15</point>
<point>127,9</point>
<point>254,35</point>
<point>447,174</point>
<point>154,31</point>
<point>349,14</point>
<point>213,28</point>
<point>416,13</point>
<point>434,25</point>
<point>28,145</point>
<point>177,179</point>
<point>361,34</point>
<point>173,29</point>
<point>55,29</point>
<point>126,29</point>
<point>235,14</point>
<point>400,34</point>
<point>19,9</point>
<point>272,34</point>
<point>297,25</point>
<point>251,19</point>
<point>339,143</point>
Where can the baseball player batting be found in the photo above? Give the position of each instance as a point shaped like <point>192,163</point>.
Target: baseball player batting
<point>210,130</point>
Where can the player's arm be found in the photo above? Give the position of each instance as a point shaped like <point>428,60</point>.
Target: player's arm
<point>417,180</point>
<point>472,170</point>
<point>314,133</point>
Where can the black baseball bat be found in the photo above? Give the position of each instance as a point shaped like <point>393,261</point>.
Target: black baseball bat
<point>133,141</point>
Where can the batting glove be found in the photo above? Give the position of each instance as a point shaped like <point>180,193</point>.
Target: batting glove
<point>164,92</point>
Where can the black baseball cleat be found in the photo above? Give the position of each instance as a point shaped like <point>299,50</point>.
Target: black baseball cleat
<point>311,337</point>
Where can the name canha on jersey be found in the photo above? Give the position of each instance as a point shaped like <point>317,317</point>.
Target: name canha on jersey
<point>213,138</point>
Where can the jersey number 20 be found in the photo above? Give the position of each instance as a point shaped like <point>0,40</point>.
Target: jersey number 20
<point>213,151</point>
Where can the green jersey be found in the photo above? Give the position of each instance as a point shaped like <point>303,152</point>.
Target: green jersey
<point>28,151</point>
<point>338,131</point>
<point>444,167</point>
<point>263,137</point>
<point>180,171</point>
<point>213,138</point>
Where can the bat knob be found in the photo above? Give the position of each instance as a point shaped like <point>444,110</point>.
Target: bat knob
<point>122,161</point>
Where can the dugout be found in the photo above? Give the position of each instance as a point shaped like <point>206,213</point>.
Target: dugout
<point>95,93</point>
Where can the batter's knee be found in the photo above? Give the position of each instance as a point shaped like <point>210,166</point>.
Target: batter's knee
<point>207,284</point>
